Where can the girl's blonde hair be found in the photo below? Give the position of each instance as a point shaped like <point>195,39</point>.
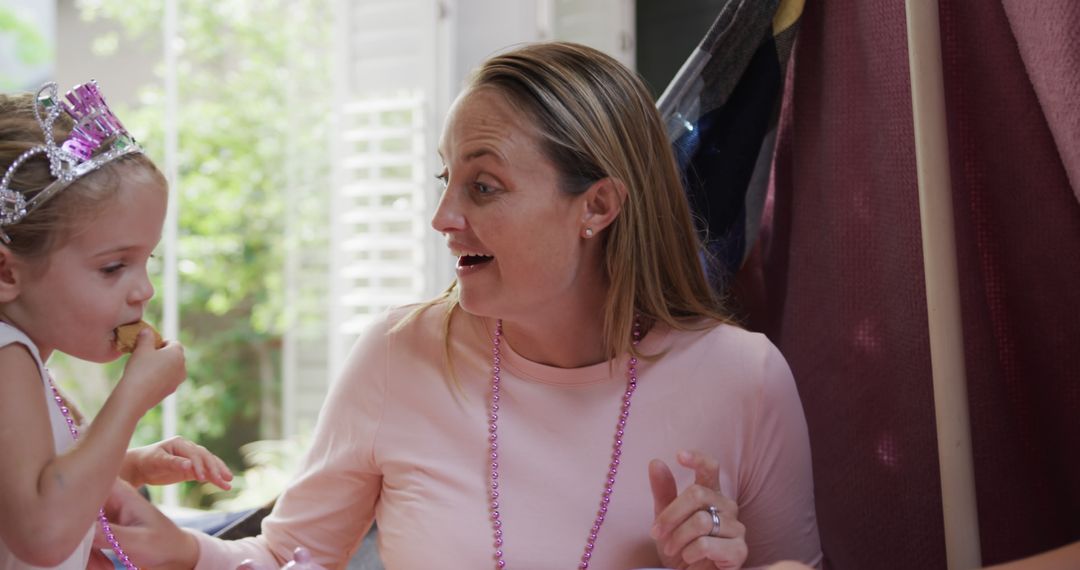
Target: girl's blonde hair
<point>34,236</point>
<point>596,119</point>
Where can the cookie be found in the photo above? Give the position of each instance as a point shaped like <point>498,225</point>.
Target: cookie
<point>126,336</point>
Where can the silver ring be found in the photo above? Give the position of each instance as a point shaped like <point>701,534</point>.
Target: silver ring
<point>715,514</point>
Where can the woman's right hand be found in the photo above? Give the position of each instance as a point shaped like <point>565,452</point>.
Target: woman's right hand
<point>151,373</point>
<point>148,537</point>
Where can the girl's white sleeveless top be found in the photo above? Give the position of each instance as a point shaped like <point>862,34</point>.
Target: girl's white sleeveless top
<point>61,442</point>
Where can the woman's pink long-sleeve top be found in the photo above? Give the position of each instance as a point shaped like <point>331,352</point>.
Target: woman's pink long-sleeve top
<point>399,441</point>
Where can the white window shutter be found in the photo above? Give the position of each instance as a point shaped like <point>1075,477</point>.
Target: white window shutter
<point>607,25</point>
<point>384,148</point>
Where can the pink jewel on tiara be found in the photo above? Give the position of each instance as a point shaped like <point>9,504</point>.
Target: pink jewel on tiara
<point>95,122</point>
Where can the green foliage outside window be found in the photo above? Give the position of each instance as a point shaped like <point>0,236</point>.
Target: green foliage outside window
<point>24,43</point>
<point>254,94</point>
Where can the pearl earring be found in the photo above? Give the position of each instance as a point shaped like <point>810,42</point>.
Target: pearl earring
<point>588,232</point>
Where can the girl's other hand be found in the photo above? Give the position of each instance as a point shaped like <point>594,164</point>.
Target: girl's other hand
<point>172,461</point>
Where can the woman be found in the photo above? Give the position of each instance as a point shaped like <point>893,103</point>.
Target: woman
<point>527,417</point>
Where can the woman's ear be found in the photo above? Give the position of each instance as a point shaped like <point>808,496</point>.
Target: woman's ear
<point>9,275</point>
<point>603,202</point>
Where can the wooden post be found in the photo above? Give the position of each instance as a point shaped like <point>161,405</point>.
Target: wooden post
<point>942,287</point>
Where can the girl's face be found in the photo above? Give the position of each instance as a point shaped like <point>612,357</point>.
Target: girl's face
<point>96,279</point>
<point>516,235</point>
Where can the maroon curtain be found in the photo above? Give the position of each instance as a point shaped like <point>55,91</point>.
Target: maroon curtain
<point>837,279</point>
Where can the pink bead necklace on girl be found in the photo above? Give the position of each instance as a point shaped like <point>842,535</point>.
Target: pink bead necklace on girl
<point>105,528</point>
<point>613,468</point>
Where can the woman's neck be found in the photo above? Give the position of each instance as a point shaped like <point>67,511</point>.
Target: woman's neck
<point>558,340</point>
<point>566,330</point>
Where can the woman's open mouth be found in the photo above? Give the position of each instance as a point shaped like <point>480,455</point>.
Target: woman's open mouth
<point>469,259</point>
<point>470,263</point>
<point>473,260</point>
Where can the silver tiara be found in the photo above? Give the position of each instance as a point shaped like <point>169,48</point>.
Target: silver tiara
<point>74,158</point>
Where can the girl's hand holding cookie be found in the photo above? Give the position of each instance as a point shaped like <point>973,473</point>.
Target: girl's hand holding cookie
<point>128,335</point>
<point>152,373</point>
<point>172,461</point>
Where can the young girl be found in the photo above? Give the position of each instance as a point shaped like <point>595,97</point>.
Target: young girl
<point>78,222</point>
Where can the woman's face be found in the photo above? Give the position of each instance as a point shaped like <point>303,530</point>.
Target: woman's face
<point>516,235</point>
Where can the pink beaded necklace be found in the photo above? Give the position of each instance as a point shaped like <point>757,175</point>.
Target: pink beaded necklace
<point>101,512</point>
<point>613,468</point>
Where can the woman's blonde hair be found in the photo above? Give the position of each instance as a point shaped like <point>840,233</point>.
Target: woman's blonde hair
<point>34,236</point>
<point>597,120</point>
